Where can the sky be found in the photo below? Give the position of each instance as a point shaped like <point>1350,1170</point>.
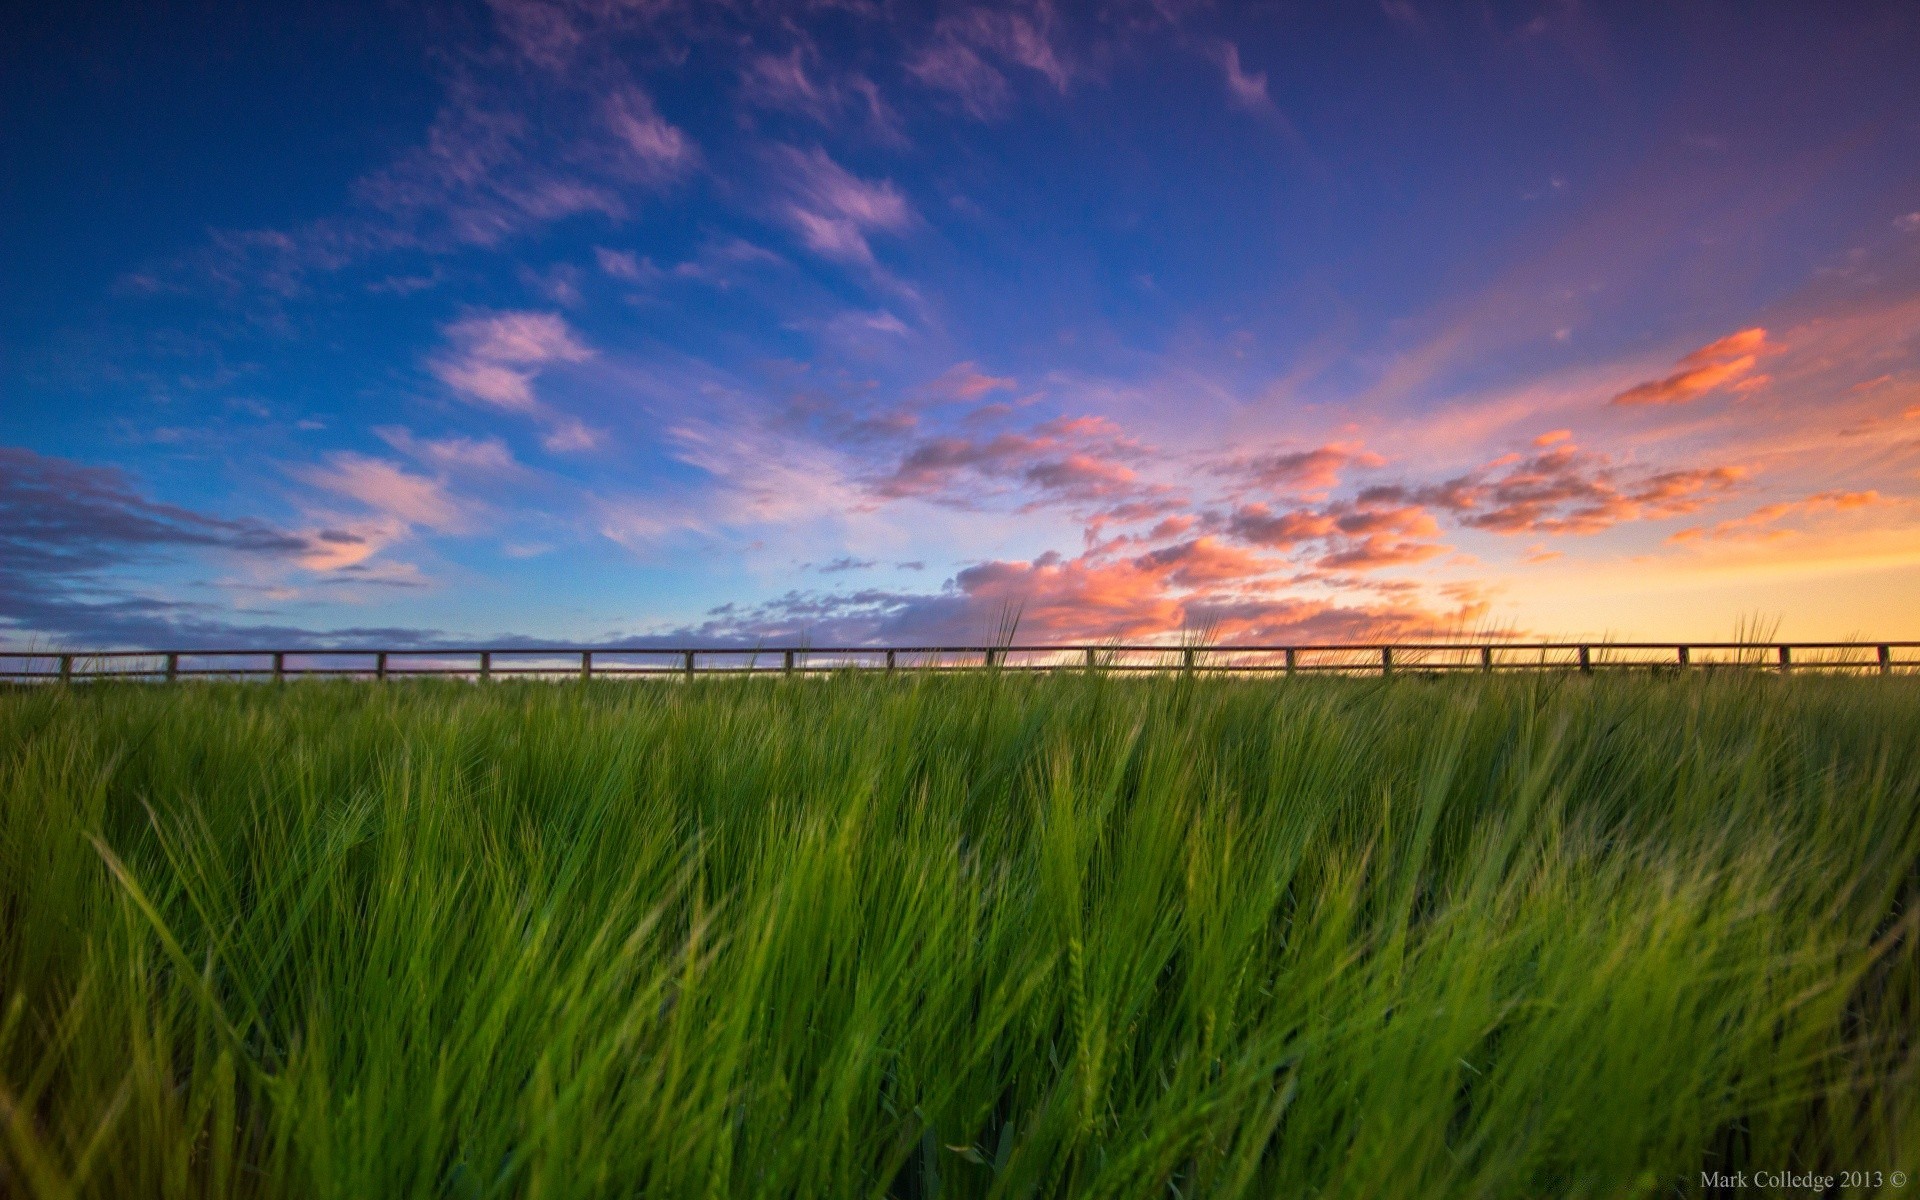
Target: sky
<point>692,321</point>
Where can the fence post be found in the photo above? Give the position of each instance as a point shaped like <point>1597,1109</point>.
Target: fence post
<point>1386,660</point>
<point>1586,660</point>
<point>1090,663</point>
<point>586,664</point>
<point>66,668</point>
<point>1786,659</point>
<point>689,664</point>
<point>1886,660</point>
<point>380,665</point>
<point>889,660</point>
<point>786,661</point>
<point>1683,656</point>
<point>1186,661</point>
<point>1290,659</point>
<point>173,667</point>
<point>279,666</point>
<point>1486,658</point>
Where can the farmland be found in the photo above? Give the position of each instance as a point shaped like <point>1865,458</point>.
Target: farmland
<point>957,936</point>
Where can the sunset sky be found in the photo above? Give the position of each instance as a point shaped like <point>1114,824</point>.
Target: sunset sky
<point>587,320</point>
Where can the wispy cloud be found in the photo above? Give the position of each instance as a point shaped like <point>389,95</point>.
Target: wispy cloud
<point>1314,471</point>
<point>1247,89</point>
<point>390,491</point>
<point>960,58</point>
<point>1763,523</point>
<point>786,83</point>
<point>1728,362</point>
<point>1565,490</point>
<point>494,358</point>
<point>834,210</point>
<point>72,535</point>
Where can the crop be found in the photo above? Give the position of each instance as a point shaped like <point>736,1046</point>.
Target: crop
<point>970,935</point>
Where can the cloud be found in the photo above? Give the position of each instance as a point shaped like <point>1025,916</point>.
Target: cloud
<point>959,60</point>
<point>485,173</point>
<point>1762,522</point>
<point>1727,361</point>
<point>950,66</point>
<point>1204,561</point>
<point>1367,534</point>
<point>66,516</point>
<point>846,563</point>
<point>624,264</point>
<point>834,210</point>
<point>1247,89</point>
<point>69,531</point>
<point>483,456</point>
<point>1297,471</point>
<point>494,358</point>
<point>1564,490</point>
<point>1067,460</point>
<point>1208,587</point>
<point>965,382</point>
<point>390,490</point>
<point>781,82</point>
<point>654,151</point>
<point>507,152</point>
<point>556,35</point>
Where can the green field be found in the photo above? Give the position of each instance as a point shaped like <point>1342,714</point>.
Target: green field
<point>979,935</point>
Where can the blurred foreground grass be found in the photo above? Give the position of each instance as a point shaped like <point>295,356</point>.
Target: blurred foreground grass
<point>957,936</point>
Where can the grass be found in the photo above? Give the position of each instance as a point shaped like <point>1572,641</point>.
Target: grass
<point>982,935</point>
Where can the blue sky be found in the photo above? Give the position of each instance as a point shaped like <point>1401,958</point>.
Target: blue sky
<point>606,319</point>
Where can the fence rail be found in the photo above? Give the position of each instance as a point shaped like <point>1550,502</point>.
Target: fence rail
<point>554,662</point>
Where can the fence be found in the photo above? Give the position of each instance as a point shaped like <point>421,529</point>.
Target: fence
<point>554,662</point>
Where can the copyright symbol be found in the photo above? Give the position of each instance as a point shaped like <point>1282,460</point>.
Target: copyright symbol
<point>1898,1179</point>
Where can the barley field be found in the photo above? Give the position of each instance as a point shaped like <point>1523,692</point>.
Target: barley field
<point>959,936</point>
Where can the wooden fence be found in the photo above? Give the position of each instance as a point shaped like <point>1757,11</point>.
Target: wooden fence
<point>556,662</point>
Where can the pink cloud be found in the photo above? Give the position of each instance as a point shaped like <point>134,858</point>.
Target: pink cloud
<point>493,359</point>
<point>1362,535</point>
<point>956,69</point>
<point>781,81</point>
<point>1564,490</point>
<point>1719,364</point>
<point>1075,460</point>
<point>1248,89</point>
<point>389,490</point>
<point>1204,561</point>
<point>1762,522</point>
<point>963,381</point>
<point>833,210</point>
<point>1303,471</point>
<point>957,59</point>
<point>1200,584</point>
<point>482,455</point>
<point>653,150</point>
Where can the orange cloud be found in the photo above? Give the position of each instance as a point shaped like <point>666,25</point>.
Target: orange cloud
<point>1203,561</point>
<point>1564,490</point>
<point>1756,524</point>
<point>1202,583</point>
<point>1079,460</point>
<point>390,491</point>
<point>1728,361</point>
<point>1300,471</point>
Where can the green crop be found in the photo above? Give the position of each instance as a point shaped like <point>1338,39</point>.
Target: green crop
<point>972,935</point>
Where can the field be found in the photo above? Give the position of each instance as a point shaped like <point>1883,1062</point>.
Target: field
<point>958,936</point>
